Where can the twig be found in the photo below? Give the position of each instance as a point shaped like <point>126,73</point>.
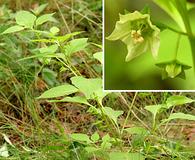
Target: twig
<point>64,20</point>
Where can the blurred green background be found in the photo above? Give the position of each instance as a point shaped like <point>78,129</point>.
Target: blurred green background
<point>142,73</point>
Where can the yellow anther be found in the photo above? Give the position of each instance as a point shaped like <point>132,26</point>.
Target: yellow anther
<point>136,36</point>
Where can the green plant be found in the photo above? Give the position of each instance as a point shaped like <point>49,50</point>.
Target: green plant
<point>22,74</point>
<point>170,102</point>
<point>62,49</point>
<point>141,34</point>
<point>122,128</point>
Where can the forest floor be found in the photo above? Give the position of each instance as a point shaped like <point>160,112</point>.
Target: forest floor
<point>52,106</point>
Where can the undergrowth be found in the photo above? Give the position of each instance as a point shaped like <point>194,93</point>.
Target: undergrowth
<point>51,99</point>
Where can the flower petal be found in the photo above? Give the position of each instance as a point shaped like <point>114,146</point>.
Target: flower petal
<point>138,33</point>
<point>173,70</point>
<point>134,50</point>
<point>154,43</point>
<point>123,26</point>
<point>122,29</point>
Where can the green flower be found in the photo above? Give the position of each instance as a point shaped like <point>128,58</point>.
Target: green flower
<point>173,69</point>
<point>138,33</point>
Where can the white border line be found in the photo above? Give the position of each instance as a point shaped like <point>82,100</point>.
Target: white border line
<point>103,49</point>
<point>192,91</point>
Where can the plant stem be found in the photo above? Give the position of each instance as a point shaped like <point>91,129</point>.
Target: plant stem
<point>108,121</point>
<point>184,14</point>
<point>177,46</point>
<point>128,114</point>
<point>62,16</point>
<point>109,125</point>
<point>69,67</point>
<point>135,115</point>
<point>192,44</point>
<point>175,30</point>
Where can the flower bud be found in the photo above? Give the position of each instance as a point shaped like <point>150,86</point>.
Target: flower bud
<point>172,69</point>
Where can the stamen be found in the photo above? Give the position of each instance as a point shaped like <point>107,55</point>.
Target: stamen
<point>136,36</point>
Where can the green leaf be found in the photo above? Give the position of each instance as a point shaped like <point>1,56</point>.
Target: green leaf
<point>44,18</point>
<point>100,94</point>
<point>180,116</point>
<point>137,130</point>
<point>91,149</point>
<point>91,88</point>
<point>58,91</point>
<point>112,114</point>
<point>75,99</point>
<point>138,33</point>
<point>57,38</point>
<point>45,52</point>
<point>49,49</point>
<point>106,138</point>
<point>80,137</point>
<point>106,145</point>
<point>99,56</point>
<point>95,137</point>
<point>76,45</point>
<point>125,156</point>
<point>178,100</point>
<point>146,9</point>
<point>25,18</point>
<point>67,36</point>
<point>44,40</point>
<point>106,142</point>
<point>94,110</point>
<point>49,76</point>
<point>54,30</point>
<point>154,109</point>
<point>4,151</point>
<point>40,9</point>
<point>170,7</point>
<point>13,29</point>
<point>41,55</point>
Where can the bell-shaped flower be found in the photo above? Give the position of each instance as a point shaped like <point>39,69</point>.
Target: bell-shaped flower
<point>138,33</point>
<point>173,69</point>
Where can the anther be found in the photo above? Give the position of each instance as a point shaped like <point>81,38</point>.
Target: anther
<point>136,36</point>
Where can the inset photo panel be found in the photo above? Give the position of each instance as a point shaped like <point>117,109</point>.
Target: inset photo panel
<point>149,45</point>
